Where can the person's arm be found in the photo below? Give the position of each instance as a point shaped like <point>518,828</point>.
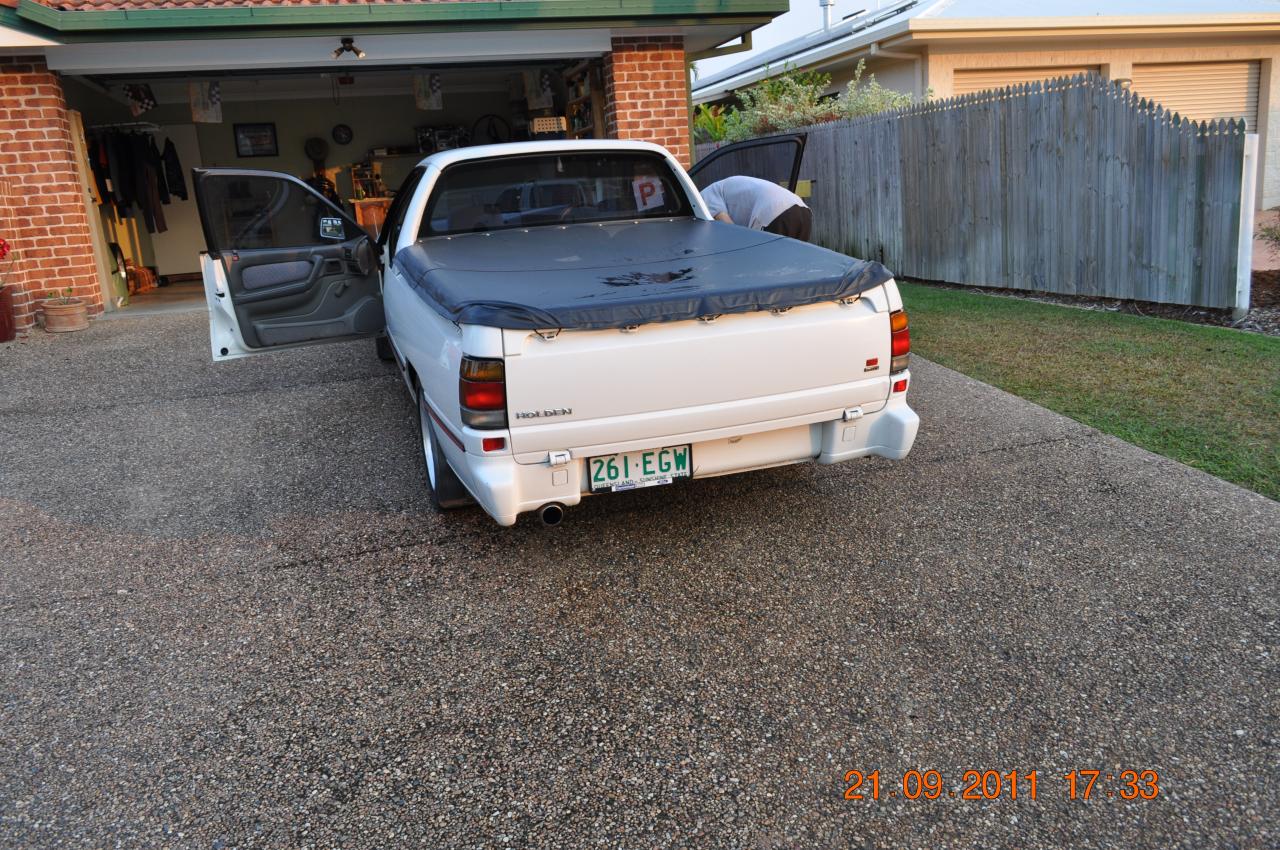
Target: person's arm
<point>713,197</point>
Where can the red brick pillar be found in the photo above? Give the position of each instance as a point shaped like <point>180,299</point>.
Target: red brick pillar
<point>42,210</point>
<point>647,92</point>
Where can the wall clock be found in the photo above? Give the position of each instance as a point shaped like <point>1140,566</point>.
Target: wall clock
<point>342,134</point>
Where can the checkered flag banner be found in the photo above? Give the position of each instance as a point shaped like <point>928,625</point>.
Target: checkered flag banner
<point>428,92</point>
<point>140,98</point>
<point>538,93</point>
<point>206,102</point>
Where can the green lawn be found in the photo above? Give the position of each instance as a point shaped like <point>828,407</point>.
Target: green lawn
<point>1206,396</point>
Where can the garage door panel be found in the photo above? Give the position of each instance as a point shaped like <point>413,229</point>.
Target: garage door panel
<point>1202,91</point>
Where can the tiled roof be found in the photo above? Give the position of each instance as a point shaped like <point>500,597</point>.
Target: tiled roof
<point>134,5</point>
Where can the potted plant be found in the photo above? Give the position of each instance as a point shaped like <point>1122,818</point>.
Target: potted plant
<point>64,312</point>
<point>8,326</point>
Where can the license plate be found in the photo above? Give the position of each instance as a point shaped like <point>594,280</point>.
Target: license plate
<point>633,470</point>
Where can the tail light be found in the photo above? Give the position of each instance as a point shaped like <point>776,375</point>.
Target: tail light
<point>482,393</point>
<point>899,341</point>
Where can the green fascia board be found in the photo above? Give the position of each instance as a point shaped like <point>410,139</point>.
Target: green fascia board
<point>532,13</point>
<point>340,30</point>
<point>10,18</point>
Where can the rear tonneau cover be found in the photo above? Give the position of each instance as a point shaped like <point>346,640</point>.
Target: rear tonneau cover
<point>595,276</point>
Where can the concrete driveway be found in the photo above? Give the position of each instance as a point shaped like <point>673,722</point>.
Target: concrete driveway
<point>229,619</point>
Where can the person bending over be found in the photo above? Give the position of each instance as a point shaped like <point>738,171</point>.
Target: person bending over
<point>760,205</point>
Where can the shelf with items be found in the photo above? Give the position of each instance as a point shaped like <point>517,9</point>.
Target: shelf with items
<point>584,113</point>
<point>381,171</point>
<point>366,180</point>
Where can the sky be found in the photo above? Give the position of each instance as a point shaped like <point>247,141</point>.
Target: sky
<point>805,16</point>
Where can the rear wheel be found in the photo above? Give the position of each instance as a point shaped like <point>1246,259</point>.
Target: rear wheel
<point>447,490</point>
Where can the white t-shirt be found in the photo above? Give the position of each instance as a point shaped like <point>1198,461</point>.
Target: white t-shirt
<point>749,201</point>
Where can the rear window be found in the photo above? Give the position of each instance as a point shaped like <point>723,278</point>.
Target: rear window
<point>552,188</point>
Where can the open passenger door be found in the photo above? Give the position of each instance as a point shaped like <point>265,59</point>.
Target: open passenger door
<point>775,158</point>
<point>285,267</point>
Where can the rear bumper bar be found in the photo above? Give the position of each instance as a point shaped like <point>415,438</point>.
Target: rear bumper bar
<point>505,488</point>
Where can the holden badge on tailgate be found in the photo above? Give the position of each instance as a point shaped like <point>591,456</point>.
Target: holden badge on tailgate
<point>544,414</point>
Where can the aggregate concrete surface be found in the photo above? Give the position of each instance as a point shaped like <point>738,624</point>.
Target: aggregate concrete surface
<point>229,618</point>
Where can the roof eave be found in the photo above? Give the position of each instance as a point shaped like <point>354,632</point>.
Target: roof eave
<point>732,78</point>
<point>936,29</point>
<point>532,13</point>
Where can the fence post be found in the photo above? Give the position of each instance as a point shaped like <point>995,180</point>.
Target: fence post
<point>1244,253</point>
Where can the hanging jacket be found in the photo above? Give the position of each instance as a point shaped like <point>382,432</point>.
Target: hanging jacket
<point>146,185</point>
<point>156,165</point>
<point>120,167</point>
<point>97,166</point>
<point>173,170</point>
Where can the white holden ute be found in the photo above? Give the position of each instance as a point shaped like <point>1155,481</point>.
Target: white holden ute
<point>570,320</point>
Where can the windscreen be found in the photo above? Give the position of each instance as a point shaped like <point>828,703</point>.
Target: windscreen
<point>552,188</point>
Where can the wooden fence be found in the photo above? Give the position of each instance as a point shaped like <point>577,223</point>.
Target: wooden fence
<point>1074,186</point>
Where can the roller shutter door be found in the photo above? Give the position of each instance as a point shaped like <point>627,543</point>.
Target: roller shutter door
<point>1202,90</point>
<point>967,82</point>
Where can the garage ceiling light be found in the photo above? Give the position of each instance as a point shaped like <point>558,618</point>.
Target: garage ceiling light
<point>348,46</point>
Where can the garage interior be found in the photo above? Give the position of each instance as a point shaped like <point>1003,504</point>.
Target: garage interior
<point>362,129</point>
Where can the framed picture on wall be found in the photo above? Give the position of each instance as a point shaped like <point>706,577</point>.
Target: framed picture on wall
<point>256,140</point>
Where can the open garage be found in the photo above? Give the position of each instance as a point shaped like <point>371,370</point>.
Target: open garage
<point>109,109</point>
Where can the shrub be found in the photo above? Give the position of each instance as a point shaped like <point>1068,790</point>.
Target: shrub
<point>798,98</point>
<point>868,98</point>
<point>709,123</point>
<point>1270,234</point>
<point>791,99</point>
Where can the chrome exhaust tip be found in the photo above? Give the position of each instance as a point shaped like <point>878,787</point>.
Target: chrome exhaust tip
<point>551,514</point>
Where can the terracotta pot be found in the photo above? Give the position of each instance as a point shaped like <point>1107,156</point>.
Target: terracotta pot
<point>61,317</point>
<point>8,327</point>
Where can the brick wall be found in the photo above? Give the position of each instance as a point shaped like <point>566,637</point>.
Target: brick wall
<point>42,211</point>
<point>647,92</point>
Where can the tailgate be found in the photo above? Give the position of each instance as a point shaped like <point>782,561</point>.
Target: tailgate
<point>592,391</point>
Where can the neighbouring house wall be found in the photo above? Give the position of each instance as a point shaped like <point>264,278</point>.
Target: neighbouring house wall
<point>1117,60</point>
<point>647,92</point>
<point>1269,134</point>
<point>42,208</point>
<point>896,74</point>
